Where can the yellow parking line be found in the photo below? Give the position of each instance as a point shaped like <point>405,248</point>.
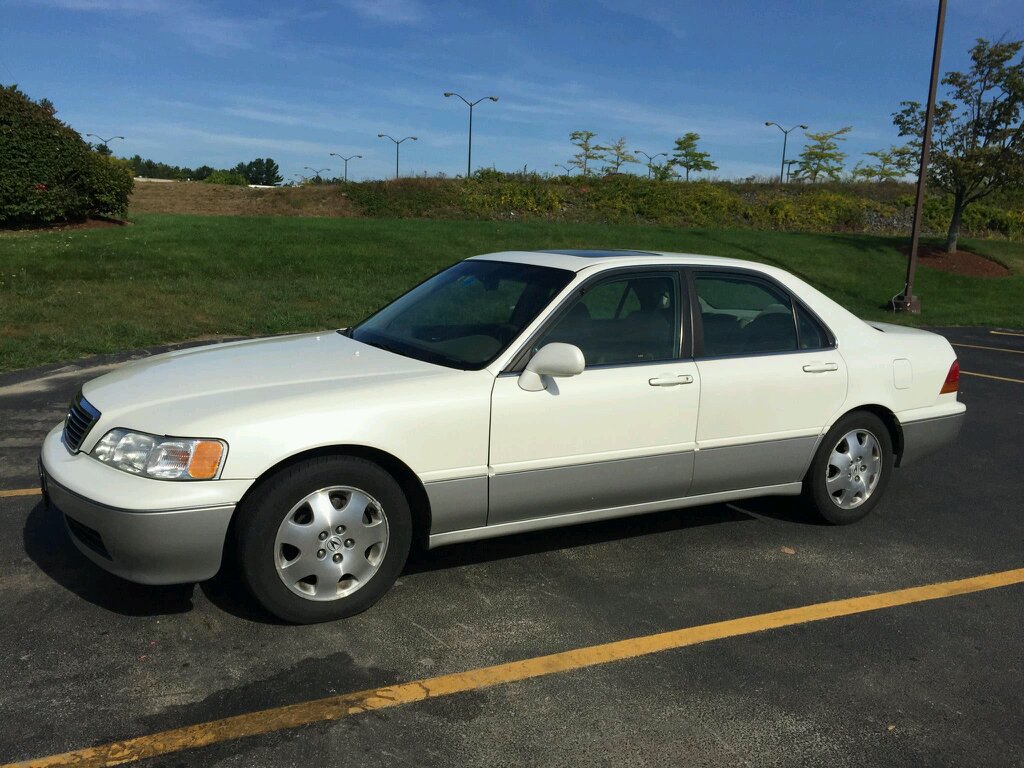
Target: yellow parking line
<point>1006,333</point>
<point>346,705</point>
<point>992,349</point>
<point>982,375</point>
<point>20,492</point>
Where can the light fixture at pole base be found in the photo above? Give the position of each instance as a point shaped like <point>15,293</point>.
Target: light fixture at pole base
<point>910,304</point>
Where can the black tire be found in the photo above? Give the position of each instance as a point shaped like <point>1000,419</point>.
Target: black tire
<point>816,491</point>
<point>264,510</point>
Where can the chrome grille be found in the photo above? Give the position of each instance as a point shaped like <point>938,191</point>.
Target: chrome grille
<point>80,419</point>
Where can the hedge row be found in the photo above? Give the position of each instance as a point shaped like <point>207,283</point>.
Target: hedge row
<point>621,199</point>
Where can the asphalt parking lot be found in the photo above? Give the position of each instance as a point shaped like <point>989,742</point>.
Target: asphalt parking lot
<point>930,678</point>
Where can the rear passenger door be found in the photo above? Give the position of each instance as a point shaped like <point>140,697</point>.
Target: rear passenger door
<point>771,379</point>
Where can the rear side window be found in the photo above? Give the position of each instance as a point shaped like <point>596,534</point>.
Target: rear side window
<point>744,315</point>
<point>812,333</point>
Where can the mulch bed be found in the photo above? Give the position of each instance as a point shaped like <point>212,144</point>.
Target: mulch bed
<point>98,222</point>
<point>959,262</point>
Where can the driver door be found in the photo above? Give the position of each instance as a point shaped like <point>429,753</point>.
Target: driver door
<point>618,434</point>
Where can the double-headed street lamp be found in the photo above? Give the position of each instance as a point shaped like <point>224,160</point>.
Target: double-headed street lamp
<point>785,137</point>
<point>398,143</point>
<point>345,160</point>
<point>566,168</point>
<point>470,104</point>
<point>316,171</point>
<point>650,160</point>
<point>105,142</point>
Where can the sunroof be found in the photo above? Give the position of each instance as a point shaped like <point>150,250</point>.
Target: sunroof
<point>598,254</point>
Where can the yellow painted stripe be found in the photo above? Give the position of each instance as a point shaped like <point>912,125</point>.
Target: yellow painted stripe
<point>991,349</point>
<point>1006,333</point>
<point>981,375</point>
<point>346,705</point>
<point>20,492</point>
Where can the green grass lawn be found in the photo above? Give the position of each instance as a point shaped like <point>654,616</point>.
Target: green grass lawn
<point>73,293</point>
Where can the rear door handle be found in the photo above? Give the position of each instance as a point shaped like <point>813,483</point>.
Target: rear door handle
<point>821,367</point>
<point>671,381</point>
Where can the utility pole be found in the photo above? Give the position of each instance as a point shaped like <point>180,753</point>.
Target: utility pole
<point>785,138</point>
<point>398,143</point>
<point>470,104</point>
<point>650,160</point>
<point>907,301</point>
<point>345,160</point>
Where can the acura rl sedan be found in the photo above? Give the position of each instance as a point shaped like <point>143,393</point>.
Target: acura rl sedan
<point>510,392</point>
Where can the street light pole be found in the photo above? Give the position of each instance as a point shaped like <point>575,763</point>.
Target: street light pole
<point>907,301</point>
<point>316,171</point>
<point>567,169</point>
<point>345,160</point>
<point>785,138</point>
<point>650,160</point>
<point>103,141</point>
<point>398,143</point>
<point>470,104</point>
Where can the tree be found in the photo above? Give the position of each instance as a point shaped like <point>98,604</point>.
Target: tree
<point>978,136</point>
<point>589,152</point>
<point>263,171</point>
<point>231,177</point>
<point>616,155</point>
<point>686,155</point>
<point>893,163</point>
<point>47,172</point>
<point>662,171</point>
<point>822,156</point>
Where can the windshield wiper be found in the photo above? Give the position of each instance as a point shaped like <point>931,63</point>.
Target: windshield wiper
<point>386,347</point>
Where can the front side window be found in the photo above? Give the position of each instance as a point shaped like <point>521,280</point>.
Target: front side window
<point>466,315</point>
<point>626,320</point>
<point>744,315</point>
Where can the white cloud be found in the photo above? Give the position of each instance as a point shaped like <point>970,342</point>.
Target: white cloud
<point>388,11</point>
<point>193,21</point>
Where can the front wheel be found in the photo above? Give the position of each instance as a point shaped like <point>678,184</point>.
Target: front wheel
<point>851,469</point>
<point>324,539</point>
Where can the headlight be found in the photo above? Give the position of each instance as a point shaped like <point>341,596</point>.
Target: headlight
<point>162,458</point>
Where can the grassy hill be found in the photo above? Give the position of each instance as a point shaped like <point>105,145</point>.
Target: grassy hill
<point>836,207</point>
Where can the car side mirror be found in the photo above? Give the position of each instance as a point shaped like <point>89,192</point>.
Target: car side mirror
<point>554,359</point>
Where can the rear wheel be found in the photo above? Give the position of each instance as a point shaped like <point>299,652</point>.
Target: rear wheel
<point>324,539</point>
<point>851,469</point>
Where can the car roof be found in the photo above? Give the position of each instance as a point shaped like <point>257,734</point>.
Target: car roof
<point>576,260</point>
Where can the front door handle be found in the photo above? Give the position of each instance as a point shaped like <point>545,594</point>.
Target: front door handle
<point>821,367</point>
<point>671,381</point>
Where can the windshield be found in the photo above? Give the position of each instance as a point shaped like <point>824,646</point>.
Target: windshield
<point>465,316</point>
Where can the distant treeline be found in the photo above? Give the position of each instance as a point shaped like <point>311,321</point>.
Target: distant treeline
<point>262,170</point>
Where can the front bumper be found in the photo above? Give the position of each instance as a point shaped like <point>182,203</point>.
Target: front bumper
<point>123,523</point>
<point>926,436</point>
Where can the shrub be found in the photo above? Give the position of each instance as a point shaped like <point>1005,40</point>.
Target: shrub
<point>226,177</point>
<point>48,174</point>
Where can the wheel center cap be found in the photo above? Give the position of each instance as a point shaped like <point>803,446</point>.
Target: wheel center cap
<point>334,544</point>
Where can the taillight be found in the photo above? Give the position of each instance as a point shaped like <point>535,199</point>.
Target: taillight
<point>952,381</point>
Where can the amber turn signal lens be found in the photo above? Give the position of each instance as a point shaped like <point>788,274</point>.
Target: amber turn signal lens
<point>205,460</point>
<point>952,382</point>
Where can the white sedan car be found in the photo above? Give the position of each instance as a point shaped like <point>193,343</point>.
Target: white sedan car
<point>510,392</point>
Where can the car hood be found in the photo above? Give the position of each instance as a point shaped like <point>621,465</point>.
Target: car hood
<point>248,371</point>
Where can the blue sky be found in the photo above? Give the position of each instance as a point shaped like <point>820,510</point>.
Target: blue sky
<point>190,82</point>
